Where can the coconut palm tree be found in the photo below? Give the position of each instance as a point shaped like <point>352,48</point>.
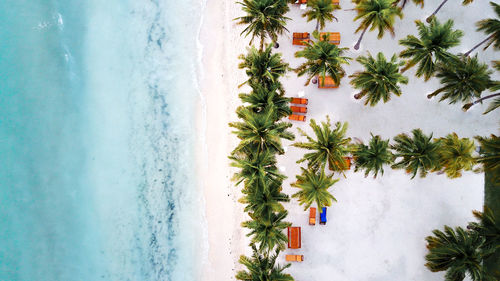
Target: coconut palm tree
<point>263,200</point>
<point>455,155</point>
<point>417,154</point>
<point>432,16</point>
<point>262,97</point>
<point>330,146</point>
<point>430,48</point>
<point>495,86</point>
<point>314,187</point>
<point>264,19</point>
<point>263,67</point>
<point>492,28</point>
<point>321,11</point>
<point>376,14</point>
<point>462,80</point>
<point>490,153</point>
<point>404,2</point>
<point>457,252</point>
<point>259,132</point>
<point>487,227</point>
<point>256,168</point>
<point>267,232</point>
<point>323,59</point>
<point>379,79</point>
<point>262,267</point>
<point>372,157</point>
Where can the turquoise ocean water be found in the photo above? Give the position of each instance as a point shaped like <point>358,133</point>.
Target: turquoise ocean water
<point>97,130</point>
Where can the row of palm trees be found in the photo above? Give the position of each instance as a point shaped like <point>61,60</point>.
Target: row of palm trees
<point>261,132</point>
<point>463,79</point>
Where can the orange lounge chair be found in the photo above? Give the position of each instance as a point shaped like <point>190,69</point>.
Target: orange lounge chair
<point>299,101</point>
<point>336,2</point>
<point>299,38</point>
<point>298,109</point>
<point>294,237</point>
<point>298,258</point>
<point>296,117</point>
<point>327,84</point>
<point>312,216</point>
<point>348,163</point>
<point>334,37</point>
<point>298,2</point>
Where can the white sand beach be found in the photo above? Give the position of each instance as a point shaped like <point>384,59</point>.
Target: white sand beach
<point>376,230</point>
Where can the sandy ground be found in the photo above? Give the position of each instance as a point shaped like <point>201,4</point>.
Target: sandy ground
<point>376,230</point>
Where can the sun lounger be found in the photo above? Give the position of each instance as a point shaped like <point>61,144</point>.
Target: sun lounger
<point>294,237</point>
<point>327,84</point>
<point>312,216</point>
<point>334,37</point>
<point>298,2</point>
<point>322,216</point>
<point>336,2</point>
<point>299,101</point>
<point>296,117</point>
<point>298,258</point>
<point>298,109</point>
<point>347,163</point>
<point>299,38</point>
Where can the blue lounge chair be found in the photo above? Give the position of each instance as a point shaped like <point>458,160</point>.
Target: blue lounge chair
<point>322,216</point>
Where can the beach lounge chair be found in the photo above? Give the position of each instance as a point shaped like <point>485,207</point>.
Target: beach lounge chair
<point>334,37</point>
<point>294,237</point>
<point>322,216</point>
<point>296,117</point>
<point>347,163</point>
<point>312,216</point>
<point>298,258</point>
<point>298,2</point>
<point>299,101</point>
<point>336,2</point>
<point>300,37</point>
<point>327,84</point>
<point>298,109</point>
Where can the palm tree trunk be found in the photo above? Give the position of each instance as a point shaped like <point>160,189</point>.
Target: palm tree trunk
<point>429,19</point>
<point>482,42</point>
<point>468,105</point>
<point>356,47</point>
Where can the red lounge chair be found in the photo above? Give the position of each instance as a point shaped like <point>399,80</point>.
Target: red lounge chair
<point>298,258</point>
<point>298,109</point>
<point>298,2</point>
<point>300,38</point>
<point>296,117</point>
<point>334,37</point>
<point>327,84</point>
<point>294,237</point>
<point>299,101</point>
<point>312,216</point>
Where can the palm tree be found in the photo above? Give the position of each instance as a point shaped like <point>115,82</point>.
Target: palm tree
<point>323,59</point>
<point>262,267</point>
<point>263,200</point>
<point>256,168</point>
<point>487,227</point>
<point>490,153</point>
<point>431,47</point>
<point>259,132</point>
<point>418,153</point>
<point>267,232</point>
<point>265,18</point>
<point>376,14</point>
<point>456,155</point>
<point>457,252</point>
<point>379,79</point>
<point>492,28</point>
<point>432,16</point>
<point>321,11</point>
<point>314,188</point>
<point>462,80</point>
<point>404,2</point>
<point>495,86</point>
<point>263,67</point>
<point>330,146</point>
<point>372,157</point>
<point>262,97</point>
